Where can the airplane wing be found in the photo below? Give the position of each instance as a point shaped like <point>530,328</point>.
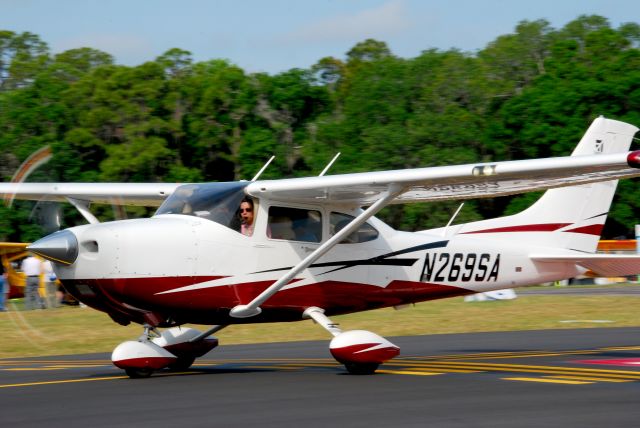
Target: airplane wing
<point>141,194</point>
<point>603,265</point>
<point>601,155</point>
<point>11,251</point>
<point>469,181</point>
<point>480,180</point>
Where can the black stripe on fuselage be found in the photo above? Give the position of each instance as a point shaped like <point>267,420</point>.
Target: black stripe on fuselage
<point>381,260</point>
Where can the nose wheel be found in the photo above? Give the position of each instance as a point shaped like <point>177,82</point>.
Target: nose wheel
<point>175,348</point>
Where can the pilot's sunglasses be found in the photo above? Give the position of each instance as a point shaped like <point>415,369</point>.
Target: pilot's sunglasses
<point>246,210</point>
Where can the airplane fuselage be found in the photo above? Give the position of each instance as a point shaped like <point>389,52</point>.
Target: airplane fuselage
<point>173,269</point>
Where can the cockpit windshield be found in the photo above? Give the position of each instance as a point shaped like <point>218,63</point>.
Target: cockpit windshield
<point>217,202</point>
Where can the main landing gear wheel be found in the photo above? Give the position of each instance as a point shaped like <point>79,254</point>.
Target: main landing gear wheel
<point>361,368</point>
<point>182,363</point>
<point>360,351</point>
<point>138,373</point>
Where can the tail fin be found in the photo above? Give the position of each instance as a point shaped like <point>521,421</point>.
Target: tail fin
<point>568,217</point>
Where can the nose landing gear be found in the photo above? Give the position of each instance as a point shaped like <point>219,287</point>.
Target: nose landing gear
<point>175,348</point>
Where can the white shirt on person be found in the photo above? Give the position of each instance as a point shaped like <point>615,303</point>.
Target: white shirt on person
<point>31,266</point>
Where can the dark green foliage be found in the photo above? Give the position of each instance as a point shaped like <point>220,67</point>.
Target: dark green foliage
<point>528,94</point>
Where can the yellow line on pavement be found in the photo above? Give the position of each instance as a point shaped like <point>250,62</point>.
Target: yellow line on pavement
<point>407,372</point>
<point>53,382</point>
<point>71,366</point>
<point>441,370</point>
<point>31,369</point>
<point>537,369</point>
<point>621,348</point>
<point>92,379</point>
<point>533,355</point>
<point>310,365</point>
<point>520,354</point>
<point>597,379</point>
<point>57,367</point>
<point>79,362</point>
<point>538,379</point>
<point>499,355</point>
<point>273,367</point>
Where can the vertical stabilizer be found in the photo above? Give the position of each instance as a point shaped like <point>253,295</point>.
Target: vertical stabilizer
<point>568,217</point>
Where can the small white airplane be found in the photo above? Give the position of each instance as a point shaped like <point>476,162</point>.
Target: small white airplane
<point>312,251</point>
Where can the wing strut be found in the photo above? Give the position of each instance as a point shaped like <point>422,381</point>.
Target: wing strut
<point>253,308</point>
<point>83,207</point>
<point>444,232</point>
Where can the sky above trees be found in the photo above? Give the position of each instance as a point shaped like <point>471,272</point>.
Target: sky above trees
<point>277,35</point>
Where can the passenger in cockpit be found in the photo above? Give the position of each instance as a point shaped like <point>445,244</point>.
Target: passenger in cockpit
<point>246,216</point>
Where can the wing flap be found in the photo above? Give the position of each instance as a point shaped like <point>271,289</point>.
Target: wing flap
<point>604,265</point>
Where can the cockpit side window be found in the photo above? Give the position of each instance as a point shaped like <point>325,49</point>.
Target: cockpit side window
<point>365,233</point>
<point>218,202</point>
<point>294,224</point>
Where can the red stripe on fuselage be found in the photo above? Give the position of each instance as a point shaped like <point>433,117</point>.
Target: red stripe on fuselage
<point>592,229</point>
<point>211,305</point>
<point>544,227</point>
<point>109,295</point>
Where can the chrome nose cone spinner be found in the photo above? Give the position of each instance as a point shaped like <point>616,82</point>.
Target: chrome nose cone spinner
<point>59,247</point>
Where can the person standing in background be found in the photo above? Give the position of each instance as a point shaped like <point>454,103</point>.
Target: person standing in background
<point>32,268</point>
<point>50,286</point>
<point>4,288</point>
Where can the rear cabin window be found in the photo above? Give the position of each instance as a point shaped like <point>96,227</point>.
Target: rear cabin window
<point>294,224</point>
<point>365,233</point>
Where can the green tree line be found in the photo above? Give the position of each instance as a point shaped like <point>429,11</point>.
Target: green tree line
<point>530,93</point>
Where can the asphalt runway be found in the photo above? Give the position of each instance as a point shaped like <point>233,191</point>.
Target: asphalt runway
<point>569,378</point>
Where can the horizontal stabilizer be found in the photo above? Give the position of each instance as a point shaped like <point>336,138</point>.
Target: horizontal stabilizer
<point>603,265</point>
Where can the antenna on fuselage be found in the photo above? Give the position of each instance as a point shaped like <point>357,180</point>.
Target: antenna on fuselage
<point>263,168</point>
<point>326,168</point>
<point>455,214</point>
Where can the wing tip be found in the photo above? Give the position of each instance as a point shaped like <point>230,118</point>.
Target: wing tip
<point>633,159</point>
